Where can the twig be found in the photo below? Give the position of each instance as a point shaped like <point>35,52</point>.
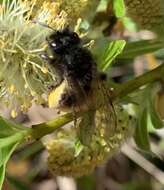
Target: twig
<point>40,130</point>
<point>132,85</point>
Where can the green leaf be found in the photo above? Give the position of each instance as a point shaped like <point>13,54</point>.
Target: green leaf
<point>150,126</point>
<point>141,47</point>
<point>8,128</point>
<point>78,148</point>
<point>7,151</point>
<point>155,118</point>
<point>86,127</point>
<point>11,135</point>
<point>30,150</point>
<point>10,132</point>
<point>99,48</point>
<point>86,182</point>
<point>159,54</point>
<point>111,51</point>
<point>119,8</point>
<point>2,175</point>
<point>17,184</point>
<point>129,24</point>
<point>11,139</point>
<point>148,118</point>
<point>4,154</point>
<point>141,133</point>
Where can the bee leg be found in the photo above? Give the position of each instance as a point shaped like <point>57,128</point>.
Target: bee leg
<point>53,86</point>
<point>68,100</point>
<point>45,57</point>
<point>52,61</point>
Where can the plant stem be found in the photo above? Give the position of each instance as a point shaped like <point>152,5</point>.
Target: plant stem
<point>134,84</point>
<point>40,130</point>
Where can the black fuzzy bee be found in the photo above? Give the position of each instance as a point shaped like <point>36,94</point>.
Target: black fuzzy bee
<point>84,88</point>
<point>73,63</point>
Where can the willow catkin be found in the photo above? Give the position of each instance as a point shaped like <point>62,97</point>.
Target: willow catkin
<point>148,14</point>
<point>24,77</point>
<point>60,13</point>
<point>68,157</point>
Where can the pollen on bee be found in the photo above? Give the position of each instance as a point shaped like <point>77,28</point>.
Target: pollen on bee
<point>14,113</point>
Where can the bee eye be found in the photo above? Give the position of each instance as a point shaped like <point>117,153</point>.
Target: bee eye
<point>53,44</point>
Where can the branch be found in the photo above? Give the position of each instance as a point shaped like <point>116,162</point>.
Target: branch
<point>134,84</point>
<point>40,130</point>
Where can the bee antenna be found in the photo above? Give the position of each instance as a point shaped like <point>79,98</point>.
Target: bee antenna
<point>42,24</point>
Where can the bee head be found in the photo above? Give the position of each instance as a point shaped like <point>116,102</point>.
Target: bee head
<point>60,41</point>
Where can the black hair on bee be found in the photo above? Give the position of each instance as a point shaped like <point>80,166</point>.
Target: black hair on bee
<point>81,81</point>
<point>75,64</point>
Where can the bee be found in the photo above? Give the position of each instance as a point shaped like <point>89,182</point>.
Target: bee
<point>79,79</point>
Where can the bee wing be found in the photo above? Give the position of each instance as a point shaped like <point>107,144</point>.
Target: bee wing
<point>86,123</point>
<point>86,127</point>
<point>105,117</point>
<point>54,65</point>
